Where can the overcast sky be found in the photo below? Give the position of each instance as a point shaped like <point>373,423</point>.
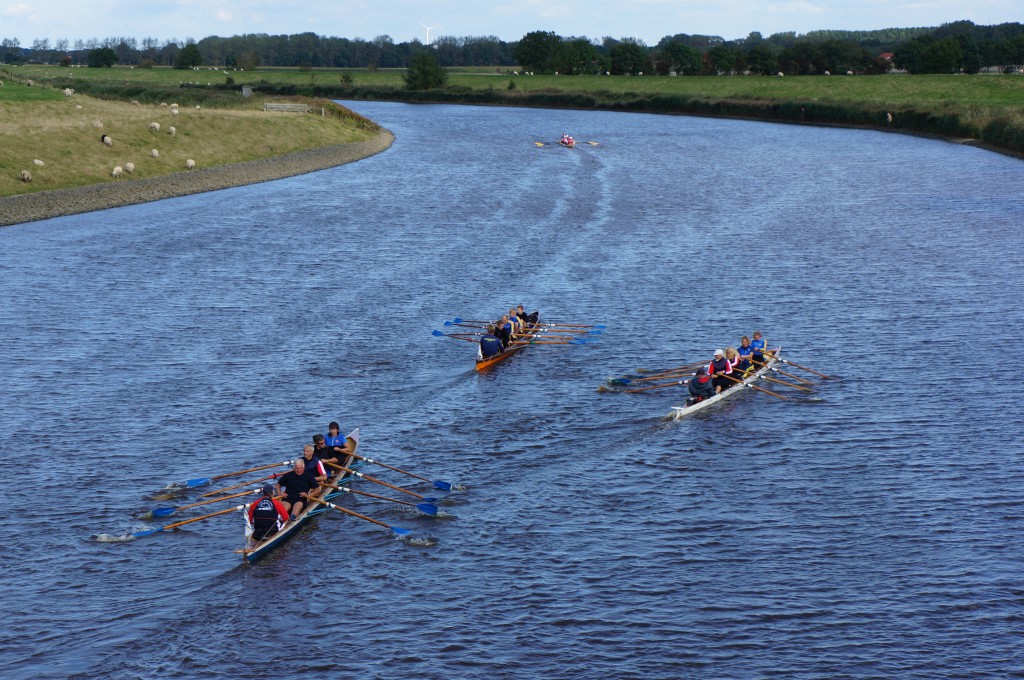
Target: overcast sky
<point>509,20</point>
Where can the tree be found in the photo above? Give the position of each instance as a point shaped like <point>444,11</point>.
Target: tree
<point>629,56</point>
<point>101,57</point>
<point>188,58</point>
<point>537,50</point>
<point>942,56</point>
<point>424,73</point>
<point>681,58</point>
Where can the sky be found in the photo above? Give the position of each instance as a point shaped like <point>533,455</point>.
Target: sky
<point>509,20</point>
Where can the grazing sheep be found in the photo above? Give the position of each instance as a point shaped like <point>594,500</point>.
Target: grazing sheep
<point>129,167</point>
<point>172,131</point>
<point>827,73</point>
<point>174,106</point>
<point>174,112</point>
<point>25,176</point>
<point>135,102</point>
<point>189,164</point>
<point>107,140</point>
<point>1,83</point>
<point>154,153</point>
<point>116,172</point>
<point>38,162</point>
<point>78,106</point>
<point>849,73</point>
<point>29,83</point>
<point>781,74</point>
<point>154,127</point>
<point>163,103</point>
<point>68,92</point>
<point>198,108</point>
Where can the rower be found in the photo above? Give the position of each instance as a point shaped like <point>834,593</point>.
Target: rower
<point>296,486</point>
<point>490,345</point>
<point>700,387</point>
<point>733,357</point>
<point>313,463</point>
<point>267,515</point>
<point>759,344</point>
<point>746,352</point>
<point>504,331</point>
<point>518,325</point>
<point>717,369</point>
<point>528,319</point>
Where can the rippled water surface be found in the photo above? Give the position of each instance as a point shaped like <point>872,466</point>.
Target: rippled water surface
<point>872,528</point>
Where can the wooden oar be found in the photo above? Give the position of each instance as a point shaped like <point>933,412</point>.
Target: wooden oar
<point>166,511</point>
<point>203,481</point>
<point>426,508</point>
<point>759,389</point>
<point>217,492</point>
<point>787,384</point>
<point>457,321</point>
<point>675,383</point>
<point>139,534</point>
<point>360,475</point>
<point>438,484</point>
<point>780,371</point>
<point>803,368</point>
<point>682,370</point>
<point>398,531</point>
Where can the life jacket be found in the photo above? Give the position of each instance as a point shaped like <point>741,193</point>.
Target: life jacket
<point>720,366</point>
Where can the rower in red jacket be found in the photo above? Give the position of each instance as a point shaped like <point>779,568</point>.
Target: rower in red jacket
<point>267,515</point>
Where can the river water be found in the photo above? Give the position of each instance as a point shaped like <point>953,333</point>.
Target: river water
<point>872,528</point>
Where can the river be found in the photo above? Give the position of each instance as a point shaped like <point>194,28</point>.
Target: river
<point>871,528</point>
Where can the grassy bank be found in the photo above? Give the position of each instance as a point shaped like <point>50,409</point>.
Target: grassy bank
<point>40,123</point>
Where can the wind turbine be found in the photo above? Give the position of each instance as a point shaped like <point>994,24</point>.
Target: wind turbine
<point>428,28</point>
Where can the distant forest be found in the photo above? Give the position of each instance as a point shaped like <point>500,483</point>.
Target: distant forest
<point>960,47</point>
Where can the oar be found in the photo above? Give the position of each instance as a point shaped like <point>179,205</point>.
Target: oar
<point>759,389</point>
<point>794,376</point>
<point>139,534</point>
<point>217,492</point>
<point>166,511</point>
<point>803,368</point>
<point>203,481</point>
<point>681,370</point>
<point>675,383</point>
<point>398,531</point>
<point>787,384</point>
<point>438,484</point>
<point>426,508</point>
<point>455,336</point>
<point>574,325</point>
<point>360,475</point>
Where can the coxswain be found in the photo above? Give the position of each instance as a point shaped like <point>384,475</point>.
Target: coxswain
<point>759,344</point>
<point>718,369</point>
<point>266,515</point>
<point>490,345</point>
<point>296,485</point>
<point>337,443</point>
<point>700,387</point>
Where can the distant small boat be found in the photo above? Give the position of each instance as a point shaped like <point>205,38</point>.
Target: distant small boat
<point>568,143</point>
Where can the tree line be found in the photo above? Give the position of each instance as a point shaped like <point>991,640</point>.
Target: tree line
<point>951,48</point>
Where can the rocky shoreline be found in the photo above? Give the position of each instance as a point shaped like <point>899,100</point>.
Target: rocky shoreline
<point>62,202</point>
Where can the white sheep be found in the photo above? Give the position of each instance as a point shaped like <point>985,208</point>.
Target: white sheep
<point>129,167</point>
<point>25,176</point>
<point>189,164</point>
<point>116,172</point>
<point>781,74</point>
<point>174,112</point>
<point>78,106</point>
<point>68,92</point>
<point>29,83</point>
<point>198,107</point>
<point>849,73</point>
<point>163,104</point>
<point>154,127</point>
<point>1,83</point>
<point>174,106</point>
<point>154,153</point>
<point>172,131</point>
<point>107,140</point>
<point>38,162</point>
<point>827,73</point>
<point>135,102</point>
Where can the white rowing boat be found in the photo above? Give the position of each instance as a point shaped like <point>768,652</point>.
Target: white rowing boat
<point>683,411</point>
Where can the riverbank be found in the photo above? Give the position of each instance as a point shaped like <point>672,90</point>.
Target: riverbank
<point>62,202</point>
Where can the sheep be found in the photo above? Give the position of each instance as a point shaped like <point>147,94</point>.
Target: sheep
<point>1,83</point>
<point>78,106</point>
<point>163,104</point>
<point>172,131</point>
<point>189,164</point>
<point>198,107</point>
<point>781,74</point>
<point>107,140</point>
<point>25,176</point>
<point>827,73</point>
<point>849,73</point>
<point>29,83</point>
<point>135,102</point>
<point>174,112</point>
<point>38,162</point>
<point>116,172</point>
<point>129,167</point>
<point>174,106</point>
<point>154,153</point>
<point>68,92</point>
<point>154,127</point>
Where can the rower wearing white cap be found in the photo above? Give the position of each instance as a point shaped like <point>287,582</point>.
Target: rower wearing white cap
<point>718,368</point>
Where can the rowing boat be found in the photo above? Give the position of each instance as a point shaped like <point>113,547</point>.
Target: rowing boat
<point>683,411</point>
<point>524,340</point>
<point>254,550</point>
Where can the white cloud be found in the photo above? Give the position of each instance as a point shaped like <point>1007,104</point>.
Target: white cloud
<point>17,9</point>
<point>224,15</point>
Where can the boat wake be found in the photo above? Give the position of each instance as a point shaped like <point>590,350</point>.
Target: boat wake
<point>112,538</point>
<point>420,542</point>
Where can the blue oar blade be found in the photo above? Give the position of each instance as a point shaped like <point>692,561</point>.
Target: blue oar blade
<point>438,333</point>
<point>427,508</point>
<point>140,534</point>
<point>163,512</point>
<point>601,326</point>
<point>193,483</point>
<point>400,531</point>
<point>448,323</point>
<point>596,331</point>
<point>620,381</point>
<point>442,485</point>
<point>456,320</point>
<point>431,500</point>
